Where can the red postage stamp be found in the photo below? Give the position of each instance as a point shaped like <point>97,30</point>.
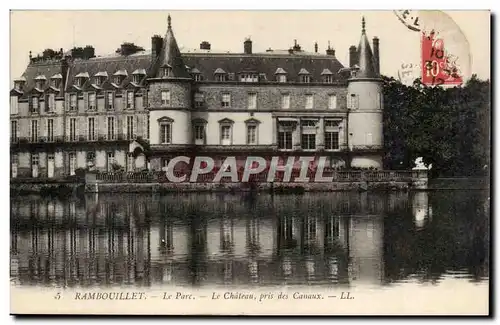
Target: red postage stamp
<point>438,66</point>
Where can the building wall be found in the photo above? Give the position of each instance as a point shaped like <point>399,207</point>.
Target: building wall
<point>269,96</point>
<point>181,126</point>
<point>180,94</point>
<point>239,129</point>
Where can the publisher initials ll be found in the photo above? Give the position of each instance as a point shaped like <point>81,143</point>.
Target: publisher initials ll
<point>346,295</point>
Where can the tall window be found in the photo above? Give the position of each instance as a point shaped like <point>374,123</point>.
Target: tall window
<point>251,134</point>
<point>13,131</point>
<point>34,131</point>
<point>14,105</point>
<point>305,78</point>
<point>332,140</point>
<point>72,129</point>
<point>225,134</point>
<point>199,100</point>
<point>92,104</point>
<point>252,101</point>
<point>309,101</point>
<point>328,79</point>
<point>91,129</point>
<point>130,127</point>
<point>197,77</point>
<point>110,100</point>
<point>51,103</point>
<point>332,131</point>
<point>34,104</point>
<point>285,139</point>
<point>50,130</point>
<point>308,141</point>
<point>130,99</point>
<point>332,101</point>
<point>285,101</point>
<point>165,98</point>
<point>90,158</point>
<point>111,128</point>
<point>73,102</point>
<point>110,161</point>
<point>199,133</point>
<point>352,101</point>
<point>226,100</point>
<point>281,78</point>
<point>166,133</point>
<point>308,136</point>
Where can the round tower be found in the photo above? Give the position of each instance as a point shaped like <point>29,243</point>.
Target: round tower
<point>169,94</point>
<point>365,104</point>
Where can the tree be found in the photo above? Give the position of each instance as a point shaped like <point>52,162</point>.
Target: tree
<point>448,127</point>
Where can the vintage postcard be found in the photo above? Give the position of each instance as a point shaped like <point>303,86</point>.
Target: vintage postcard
<point>287,163</point>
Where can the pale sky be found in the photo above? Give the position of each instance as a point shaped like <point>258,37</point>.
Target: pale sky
<point>226,31</point>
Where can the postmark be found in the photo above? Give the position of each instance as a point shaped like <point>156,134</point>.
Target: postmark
<point>438,64</point>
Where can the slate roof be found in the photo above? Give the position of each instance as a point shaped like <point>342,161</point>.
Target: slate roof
<point>365,55</point>
<point>38,69</point>
<point>110,65</point>
<point>208,63</point>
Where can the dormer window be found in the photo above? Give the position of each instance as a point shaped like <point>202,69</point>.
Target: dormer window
<point>196,74</point>
<point>280,75</point>
<point>220,75</point>
<point>249,77</point>
<point>166,71</point>
<point>40,81</point>
<point>138,75</point>
<point>119,76</point>
<point>55,81</point>
<point>19,84</point>
<point>81,78</point>
<point>304,76</point>
<point>327,76</point>
<point>100,77</point>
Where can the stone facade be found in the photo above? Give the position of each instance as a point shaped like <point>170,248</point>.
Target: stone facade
<point>79,111</point>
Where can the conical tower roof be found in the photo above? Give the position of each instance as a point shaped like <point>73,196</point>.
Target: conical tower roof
<point>170,56</point>
<point>365,54</point>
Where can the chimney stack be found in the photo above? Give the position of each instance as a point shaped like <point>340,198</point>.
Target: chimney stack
<point>156,45</point>
<point>376,54</point>
<point>329,50</point>
<point>315,47</point>
<point>247,46</point>
<point>353,56</point>
<point>296,46</point>
<point>205,45</point>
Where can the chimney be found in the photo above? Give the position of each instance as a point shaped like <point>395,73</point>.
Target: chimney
<point>315,47</point>
<point>156,45</point>
<point>353,56</point>
<point>296,46</point>
<point>247,46</point>
<point>205,45</point>
<point>88,52</point>
<point>376,54</point>
<point>329,50</point>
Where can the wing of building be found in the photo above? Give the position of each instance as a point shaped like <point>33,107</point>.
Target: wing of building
<point>136,109</point>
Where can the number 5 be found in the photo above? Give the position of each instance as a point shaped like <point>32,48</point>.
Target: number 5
<point>58,296</point>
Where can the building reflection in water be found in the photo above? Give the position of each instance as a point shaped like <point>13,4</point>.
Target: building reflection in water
<point>208,239</point>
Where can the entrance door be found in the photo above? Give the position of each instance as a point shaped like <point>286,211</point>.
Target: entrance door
<point>72,164</point>
<point>34,165</point>
<point>50,166</point>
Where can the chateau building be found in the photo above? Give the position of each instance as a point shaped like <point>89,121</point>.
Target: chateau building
<point>137,109</point>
